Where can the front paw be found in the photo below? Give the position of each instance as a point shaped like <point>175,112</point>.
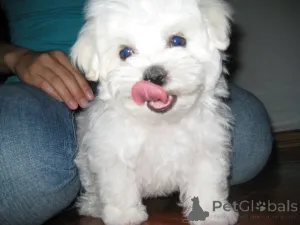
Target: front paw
<point>116,216</point>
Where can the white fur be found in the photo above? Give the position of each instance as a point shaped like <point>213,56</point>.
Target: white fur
<point>127,152</point>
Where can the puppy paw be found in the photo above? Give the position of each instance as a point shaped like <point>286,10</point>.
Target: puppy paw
<point>88,205</point>
<point>131,216</point>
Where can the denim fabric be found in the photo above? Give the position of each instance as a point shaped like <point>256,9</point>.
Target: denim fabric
<point>252,135</point>
<point>38,178</point>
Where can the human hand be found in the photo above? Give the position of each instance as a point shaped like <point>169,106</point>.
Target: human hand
<point>53,72</point>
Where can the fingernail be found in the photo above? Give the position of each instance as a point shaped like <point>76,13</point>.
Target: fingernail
<point>72,104</point>
<point>89,95</point>
<point>83,103</point>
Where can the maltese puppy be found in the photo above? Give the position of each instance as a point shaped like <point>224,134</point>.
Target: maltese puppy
<point>159,123</point>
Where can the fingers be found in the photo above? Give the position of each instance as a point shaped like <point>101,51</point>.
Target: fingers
<point>45,86</point>
<point>54,73</point>
<point>85,87</point>
<point>41,83</point>
<point>72,92</point>
<point>81,81</point>
<point>60,88</point>
<point>67,81</point>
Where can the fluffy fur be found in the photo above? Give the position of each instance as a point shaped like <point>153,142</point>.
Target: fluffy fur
<point>127,152</point>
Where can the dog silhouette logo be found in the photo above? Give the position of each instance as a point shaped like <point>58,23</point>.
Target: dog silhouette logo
<point>197,212</point>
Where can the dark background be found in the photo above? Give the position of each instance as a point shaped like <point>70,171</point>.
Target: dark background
<point>4,34</point>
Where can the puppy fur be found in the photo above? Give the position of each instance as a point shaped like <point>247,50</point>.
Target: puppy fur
<point>127,152</point>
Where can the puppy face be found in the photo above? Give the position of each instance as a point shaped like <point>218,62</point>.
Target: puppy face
<point>174,44</point>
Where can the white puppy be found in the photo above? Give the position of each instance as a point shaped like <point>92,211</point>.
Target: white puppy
<point>158,124</point>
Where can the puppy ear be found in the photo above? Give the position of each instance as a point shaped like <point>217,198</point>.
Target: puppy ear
<point>216,15</point>
<point>84,56</point>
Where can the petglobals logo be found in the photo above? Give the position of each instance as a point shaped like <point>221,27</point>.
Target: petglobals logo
<point>261,206</point>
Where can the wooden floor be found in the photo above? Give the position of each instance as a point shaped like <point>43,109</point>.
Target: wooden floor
<point>277,186</point>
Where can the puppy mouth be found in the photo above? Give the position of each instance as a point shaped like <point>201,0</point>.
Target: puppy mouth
<point>158,100</point>
<point>161,107</point>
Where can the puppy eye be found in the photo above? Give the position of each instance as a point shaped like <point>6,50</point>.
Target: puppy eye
<point>177,41</point>
<point>125,53</point>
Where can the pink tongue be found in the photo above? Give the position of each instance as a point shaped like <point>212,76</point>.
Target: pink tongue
<point>144,91</point>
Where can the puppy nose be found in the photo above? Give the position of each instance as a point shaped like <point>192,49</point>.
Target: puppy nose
<point>156,75</point>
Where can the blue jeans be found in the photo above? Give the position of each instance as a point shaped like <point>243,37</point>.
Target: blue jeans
<point>38,178</point>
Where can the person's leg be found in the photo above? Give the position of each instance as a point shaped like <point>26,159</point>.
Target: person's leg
<point>252,136</point>
<point>38,177</point>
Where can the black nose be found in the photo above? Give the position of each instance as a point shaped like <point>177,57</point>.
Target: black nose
<point>156,75</point>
